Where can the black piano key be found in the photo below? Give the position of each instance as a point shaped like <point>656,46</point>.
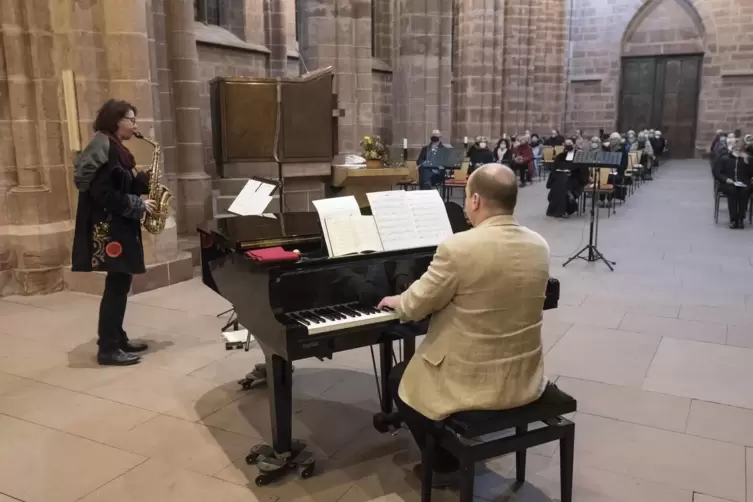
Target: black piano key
<point>345,312</point>
<point>311,316</point>
<point>352,309</point>
<point>300,319</point>
<point>324,315</point>
<point>338,315</point>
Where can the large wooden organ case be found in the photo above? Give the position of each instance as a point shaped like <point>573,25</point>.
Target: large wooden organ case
<point>282,120</point>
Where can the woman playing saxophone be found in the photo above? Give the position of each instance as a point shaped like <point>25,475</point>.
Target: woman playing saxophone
<point>108,224</point>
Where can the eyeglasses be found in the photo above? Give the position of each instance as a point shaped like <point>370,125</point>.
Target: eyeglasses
<point>131,119</point>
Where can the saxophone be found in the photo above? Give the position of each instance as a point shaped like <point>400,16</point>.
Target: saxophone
<point>159,193</point>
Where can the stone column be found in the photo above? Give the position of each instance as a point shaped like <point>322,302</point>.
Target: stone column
<point>36,212</point>
<point>478,68</point>
<point>338,33</point>
<point>277,37</point>
<point>194,185</point>
<point>422,78</point>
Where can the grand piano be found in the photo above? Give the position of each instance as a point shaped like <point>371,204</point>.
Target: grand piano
<point>313,307</point>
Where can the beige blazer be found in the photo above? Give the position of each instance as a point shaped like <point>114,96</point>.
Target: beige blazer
<point>485,289</point>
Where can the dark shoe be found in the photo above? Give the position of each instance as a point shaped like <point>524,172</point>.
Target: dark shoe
<point>131,347</point>
<point>733,224</point>
<point>439,479</point>
<point>741,224</point>
<point>117,358</point>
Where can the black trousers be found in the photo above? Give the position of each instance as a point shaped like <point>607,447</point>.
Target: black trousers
<point>112,311</point>
<point>418,424</point>
<point>737,200</point>
<point>522,172</point>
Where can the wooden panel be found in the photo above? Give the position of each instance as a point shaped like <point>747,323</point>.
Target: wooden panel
<point>249,111</point>
<point>637,98</point>
<point>307,120</point>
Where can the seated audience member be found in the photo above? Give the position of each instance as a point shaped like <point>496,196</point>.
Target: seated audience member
<point>714,144</point>
<point>646,159</point>
<point>580,141</point>
<point>473,146</point>
<point>595,143</point>
<point>556,139</point>
<point>522,158</point>
<point>538,154</point>
<point>565,183</point>
<point>631,140</point>
<point>615,145</point>
<point>480,155</point>
<point>484,290</point>
<point>659,146</point>
<point>734,173</point>
<point>503,152</point>
<point>429,171</point>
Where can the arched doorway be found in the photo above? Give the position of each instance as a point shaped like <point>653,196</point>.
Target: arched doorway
<point>662,59</point>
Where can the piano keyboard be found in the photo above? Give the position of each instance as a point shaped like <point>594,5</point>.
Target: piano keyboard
<point>337,317</point>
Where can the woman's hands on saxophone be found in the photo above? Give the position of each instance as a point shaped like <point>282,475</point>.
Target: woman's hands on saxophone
<point>151,206</point>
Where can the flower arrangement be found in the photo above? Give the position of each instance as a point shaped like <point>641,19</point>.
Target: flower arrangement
<point>373,148</point>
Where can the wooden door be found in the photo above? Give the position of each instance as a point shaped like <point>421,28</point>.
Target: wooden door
<point>662,93</point>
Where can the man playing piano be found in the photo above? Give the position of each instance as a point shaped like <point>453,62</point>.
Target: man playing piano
<point>485,290</point>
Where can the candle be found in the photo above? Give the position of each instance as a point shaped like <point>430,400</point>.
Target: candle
<point>405,143</point>
<point>465,140</point>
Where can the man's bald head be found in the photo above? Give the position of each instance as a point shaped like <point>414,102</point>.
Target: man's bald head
<point>497,186</point>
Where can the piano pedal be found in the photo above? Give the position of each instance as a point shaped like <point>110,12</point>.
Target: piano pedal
<point>273,466</point>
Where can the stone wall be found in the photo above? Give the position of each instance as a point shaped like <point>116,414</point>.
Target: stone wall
<point>600,33</point>
<point>382,93</point>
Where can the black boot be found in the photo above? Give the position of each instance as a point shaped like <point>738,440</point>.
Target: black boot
<point>733,224</point>
<point>741,223</point>
<point>130,347</point>
<point>116,358</point>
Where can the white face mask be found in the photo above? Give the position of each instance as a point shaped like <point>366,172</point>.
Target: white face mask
<point>594,145</point>
<point>482,144</point>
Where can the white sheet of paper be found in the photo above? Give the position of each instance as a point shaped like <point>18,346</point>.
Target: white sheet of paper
<point>367,234</point>
<point>239,336</point>
<point>430,216</point>
<point>394,220</point>
<point>253,199</point>
<point>352,234</point>
<point>336,206</point>
<point>740,184</point>
<point>570,156</point>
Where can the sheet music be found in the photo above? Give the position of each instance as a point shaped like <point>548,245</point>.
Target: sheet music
<point>253,199</point>
<point>336,206</point>
<point>352,234</point>
<point>429,215</point>
<point>410,219</point>
<point>394,220</point>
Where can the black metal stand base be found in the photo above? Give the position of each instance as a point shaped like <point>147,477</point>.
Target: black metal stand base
<point>593,255</point>
<point>273,465</point>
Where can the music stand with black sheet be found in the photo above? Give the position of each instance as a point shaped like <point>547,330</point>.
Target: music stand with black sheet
<point>595,160</point>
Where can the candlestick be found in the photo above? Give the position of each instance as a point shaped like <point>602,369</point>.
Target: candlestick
<point>405,143</point>
<point>465,140</point>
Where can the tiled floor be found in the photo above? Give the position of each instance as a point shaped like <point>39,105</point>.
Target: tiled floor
<point>659,354</point>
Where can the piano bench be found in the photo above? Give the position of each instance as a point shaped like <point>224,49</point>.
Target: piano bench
<point>462,435</point>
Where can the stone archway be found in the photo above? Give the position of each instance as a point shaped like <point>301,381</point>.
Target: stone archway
<point>662,57</point>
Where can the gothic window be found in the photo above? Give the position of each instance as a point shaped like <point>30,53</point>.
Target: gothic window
<point>207,11</point>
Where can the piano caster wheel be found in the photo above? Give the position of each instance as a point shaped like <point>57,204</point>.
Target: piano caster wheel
<point>273,466</point>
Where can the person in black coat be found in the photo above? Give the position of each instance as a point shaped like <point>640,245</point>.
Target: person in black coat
<point>565,183</point>
<point>430,173</point>
<point>479,155</point>
<point>734,173</point>
<point>556,139</point>
<point>107,237</point>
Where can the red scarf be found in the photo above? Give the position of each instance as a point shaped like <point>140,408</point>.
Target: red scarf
<point>127,161</point>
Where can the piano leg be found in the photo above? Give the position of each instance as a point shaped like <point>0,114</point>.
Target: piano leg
<point>385,366</point>
<point>285,454</point>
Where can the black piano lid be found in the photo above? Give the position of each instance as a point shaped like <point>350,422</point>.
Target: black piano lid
<point>275,229</point>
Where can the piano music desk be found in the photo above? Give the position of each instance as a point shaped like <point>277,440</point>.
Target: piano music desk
<point>359,182</point>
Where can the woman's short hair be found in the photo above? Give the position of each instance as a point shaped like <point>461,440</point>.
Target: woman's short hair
<point>110,114</point>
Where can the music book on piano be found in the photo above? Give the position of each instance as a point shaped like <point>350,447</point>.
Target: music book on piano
<point>409,219</point>
<point>254,198</point>
<point>349,234</point>
<point>335,207</point>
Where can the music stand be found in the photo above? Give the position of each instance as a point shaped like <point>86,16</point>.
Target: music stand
<point>595,160</point>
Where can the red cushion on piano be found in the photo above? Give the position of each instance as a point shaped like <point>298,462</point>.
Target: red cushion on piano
<point>272,255</point>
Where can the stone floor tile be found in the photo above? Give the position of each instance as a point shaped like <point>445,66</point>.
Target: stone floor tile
<point>627,404</point>
<point>740,336</point>
<point>635,307</point>
<point>10,382</point>
<point>39,464</point>
<point>717,421</point>
<point>705,371</point>
<point>679,460</point>
<point>159,481</point>
<point>607,317</point>
<point>602,355</point>
<point>699,497</point>
<point>67,411</point>
<point>749,469</point>
<point>737,316</point>
<point>674,328</point>
<point>551,332</point>
<point>183,444</point>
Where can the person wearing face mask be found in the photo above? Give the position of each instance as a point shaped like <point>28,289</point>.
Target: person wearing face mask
<point>480,155</point>
<point>659,146</point>
<point>595,144</point>
<point>503,152</point>
<point>555,139</point>
<point>615,145</point>
<point>429,171</point>
<point>565,183</point>
<point>580,142</point>
<point>734,172</point>
<point>522,159</point>
<point>538,154</point>
<point>631,140</point>
<point>643,145</point>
